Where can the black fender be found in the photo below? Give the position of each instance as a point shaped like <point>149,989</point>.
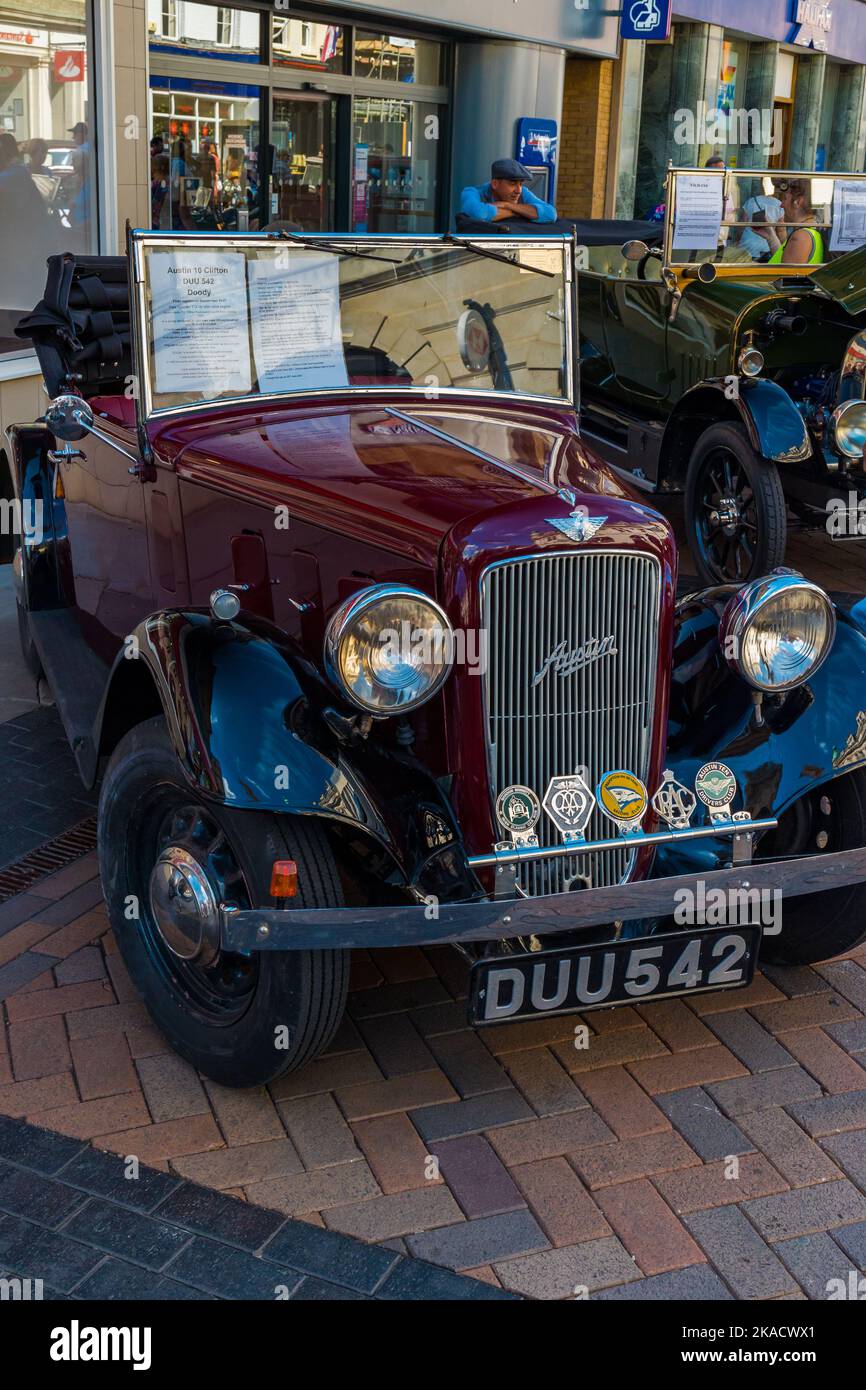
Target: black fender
<point>245,710</point>
<point>775,427</point>
<point>778,749</point>
<point>42,519</point>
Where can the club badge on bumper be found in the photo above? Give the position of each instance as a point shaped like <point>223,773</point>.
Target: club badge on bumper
<point>569,802</point>
<point>716,786</point>
<point>518,810</point>
<point>674,803</point>
<point>623,798</point>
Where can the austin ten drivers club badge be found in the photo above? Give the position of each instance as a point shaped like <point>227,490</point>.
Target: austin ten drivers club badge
<point>623,798</point>
<point>674,803</point>
<point>569,802</point>
<point>517,811</point>
<point>716,786</point>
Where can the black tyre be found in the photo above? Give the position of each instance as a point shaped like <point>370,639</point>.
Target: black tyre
<point>167,855</point>
<point>818,926</point>
<point>735,508</point>
<point>28,646</point>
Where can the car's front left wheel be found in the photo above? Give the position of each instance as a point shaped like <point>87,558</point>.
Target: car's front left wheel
<point>167,859</point>
<point>736,518</point>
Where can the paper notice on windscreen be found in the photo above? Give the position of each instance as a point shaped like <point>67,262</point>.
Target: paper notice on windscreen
<point>200,336</point>
<point>295,312</point>
<point>849,215</point>
<point>698,219</point>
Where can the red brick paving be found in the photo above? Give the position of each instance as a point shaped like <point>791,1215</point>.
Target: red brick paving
<point>599,1176</point>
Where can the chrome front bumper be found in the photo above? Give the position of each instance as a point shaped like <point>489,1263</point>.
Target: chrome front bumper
<point>500,917</point>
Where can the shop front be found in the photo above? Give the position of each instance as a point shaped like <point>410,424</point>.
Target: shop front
<point>776,85</point>
<point>47,149</point>
<point>261,118</point>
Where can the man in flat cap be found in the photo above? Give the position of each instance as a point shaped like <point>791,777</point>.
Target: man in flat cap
<point>506,195</point>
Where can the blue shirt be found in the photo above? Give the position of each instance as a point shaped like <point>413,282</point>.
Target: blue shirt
<point>480,203</point>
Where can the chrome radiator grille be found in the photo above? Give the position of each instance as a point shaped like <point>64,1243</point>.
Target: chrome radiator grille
<point>599,716</point>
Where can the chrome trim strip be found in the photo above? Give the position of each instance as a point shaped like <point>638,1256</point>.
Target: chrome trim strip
<point>520,853</point>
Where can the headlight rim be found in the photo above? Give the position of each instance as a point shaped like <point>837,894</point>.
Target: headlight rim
<point>349,610</point>
<point>837,418</point>
<point>750,354</point>
<point>743,607</point>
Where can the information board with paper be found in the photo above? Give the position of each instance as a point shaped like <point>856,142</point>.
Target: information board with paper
<point>199,312</point>
<point>698,212</point>
<point>295,314</point>
<point>849,215</point>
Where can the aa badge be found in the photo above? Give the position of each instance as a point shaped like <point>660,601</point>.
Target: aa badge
<point>674,803</point>
<point>517,811</point>
<point>623,798</point>
<point>569,802</point>
<point>716,786</point>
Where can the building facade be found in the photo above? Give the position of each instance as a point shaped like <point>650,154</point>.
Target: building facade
<point>776,84</point>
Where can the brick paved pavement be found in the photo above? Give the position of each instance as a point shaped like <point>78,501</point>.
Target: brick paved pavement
<point>89,1227</point>
<point>608,1168</point>
<point>713,1149</point>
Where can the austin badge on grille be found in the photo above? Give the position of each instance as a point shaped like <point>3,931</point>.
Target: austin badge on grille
<point>518,810</point>
<point>716,785</point>
<point>674,803</point>
<point>623,798</point>
<point>569,802</point>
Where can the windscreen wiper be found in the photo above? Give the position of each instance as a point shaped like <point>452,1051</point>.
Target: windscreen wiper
<point>496,255</point>
<point>316,245</point>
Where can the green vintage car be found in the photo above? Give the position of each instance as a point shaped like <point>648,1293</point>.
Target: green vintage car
<point>729,361</point>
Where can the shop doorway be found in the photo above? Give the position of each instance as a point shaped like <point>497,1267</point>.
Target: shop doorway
<point>303,160</point>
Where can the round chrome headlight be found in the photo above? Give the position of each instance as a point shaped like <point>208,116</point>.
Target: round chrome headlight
<point>849,428</point>
<point>777,631</point>
<point>751,362</point>
<point>389,648</point>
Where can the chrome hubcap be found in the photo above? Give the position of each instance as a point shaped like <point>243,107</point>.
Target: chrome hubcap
<point>184,906</point>
<point>729,514</point>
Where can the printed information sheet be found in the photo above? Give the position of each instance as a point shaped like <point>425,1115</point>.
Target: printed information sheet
<point>698,218</point>
<point>295,313</point>
<point>200,335</point>
<point>849,215</point>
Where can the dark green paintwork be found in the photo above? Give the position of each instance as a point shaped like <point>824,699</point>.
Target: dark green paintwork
<point>845,280</point>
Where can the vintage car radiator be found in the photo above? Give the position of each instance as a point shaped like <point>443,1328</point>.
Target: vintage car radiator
<point>560,694</point>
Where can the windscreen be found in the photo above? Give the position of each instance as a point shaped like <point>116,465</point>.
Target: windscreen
<point>227,318</point>
<point>764,218</point>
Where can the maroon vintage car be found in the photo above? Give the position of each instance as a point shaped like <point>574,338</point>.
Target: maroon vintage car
<point>372,651</point>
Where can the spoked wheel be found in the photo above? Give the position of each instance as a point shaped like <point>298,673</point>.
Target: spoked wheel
<point>167,861</point>
<point>735,508</point>
<point>818,926</point>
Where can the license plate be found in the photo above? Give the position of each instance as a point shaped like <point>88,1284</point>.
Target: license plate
<point>578,978</point>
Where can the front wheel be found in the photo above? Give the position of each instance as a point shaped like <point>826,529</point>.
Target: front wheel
<point>818,926</point>
<point>167,858</point>
<point>735,508</point>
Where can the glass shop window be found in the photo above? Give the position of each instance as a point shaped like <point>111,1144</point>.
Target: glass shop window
<point>395,165</point>
<point>205,31</point>
<point>299,43</point>
<point>390,58</point>
<point>205,157</point>
<point>47,149</point>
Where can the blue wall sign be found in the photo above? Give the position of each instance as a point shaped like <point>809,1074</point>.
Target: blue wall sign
<point>536,146</point>
<point>646,19</point>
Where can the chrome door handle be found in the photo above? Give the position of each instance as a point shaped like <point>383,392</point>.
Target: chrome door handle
<point>56,455</point>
